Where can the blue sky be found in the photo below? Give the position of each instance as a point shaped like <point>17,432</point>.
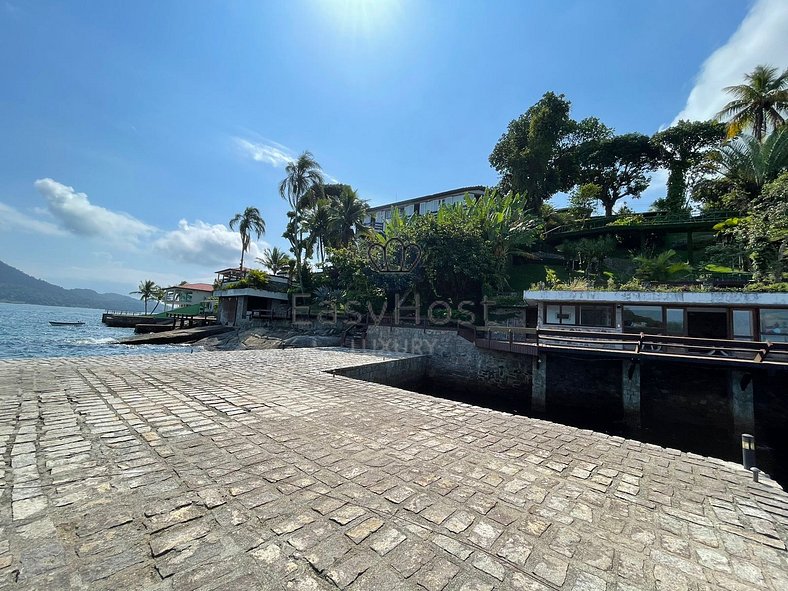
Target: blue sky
<point>132,132</point>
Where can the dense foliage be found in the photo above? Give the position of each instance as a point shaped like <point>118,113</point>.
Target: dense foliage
<point>465,251</point>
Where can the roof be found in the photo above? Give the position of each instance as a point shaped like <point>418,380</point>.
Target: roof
<point>193,286</point>
<point>716,298</point>
<point>461,190</point>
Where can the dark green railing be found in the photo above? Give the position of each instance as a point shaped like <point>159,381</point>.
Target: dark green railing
<point>649,220</point>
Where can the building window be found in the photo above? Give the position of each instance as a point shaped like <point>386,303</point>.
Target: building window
<point>741,321</point>
<point>583,315</point>
<point>774,325</point>
<point>643,318</point>
<point>675,321</point>
<point>601,316</point>
<point>559,314</point>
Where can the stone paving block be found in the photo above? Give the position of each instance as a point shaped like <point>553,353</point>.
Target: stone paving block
<point>516,548</point>
<point>386,539</point>
<point>436,574</point>
<point>410,557</point>
<point>364,529</point>
<point>484,533</point>
<point>347,514</point>
<point>489,565</point>
<point>589,582</point>
<point>240,478</point>
<point>551,568</point>
<point>179,535</point>
<point>324,554</point>
<point>348,569</point>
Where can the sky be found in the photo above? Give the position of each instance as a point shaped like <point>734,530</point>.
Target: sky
<point>132,132</point>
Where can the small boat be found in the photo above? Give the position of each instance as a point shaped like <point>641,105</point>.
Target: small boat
<point>55,323</point>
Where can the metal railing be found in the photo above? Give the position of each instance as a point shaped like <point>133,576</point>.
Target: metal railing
<point>719,351</point>
<point>649,219</point>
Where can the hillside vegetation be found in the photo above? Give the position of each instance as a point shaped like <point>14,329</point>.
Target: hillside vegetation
<point>19,288</point>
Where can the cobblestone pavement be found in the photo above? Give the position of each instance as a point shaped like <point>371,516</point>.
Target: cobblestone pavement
<point>258,470</point>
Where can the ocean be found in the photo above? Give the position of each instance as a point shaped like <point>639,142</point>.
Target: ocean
<point>25,332</point>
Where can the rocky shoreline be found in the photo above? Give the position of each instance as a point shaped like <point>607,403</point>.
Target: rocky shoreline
<point>270,338</point>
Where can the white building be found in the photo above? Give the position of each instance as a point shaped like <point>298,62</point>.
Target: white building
<point>377,216</point>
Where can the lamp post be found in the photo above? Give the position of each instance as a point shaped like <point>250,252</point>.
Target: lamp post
<point>748,451</point>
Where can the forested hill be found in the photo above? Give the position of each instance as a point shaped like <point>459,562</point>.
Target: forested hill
<point>20,288</point>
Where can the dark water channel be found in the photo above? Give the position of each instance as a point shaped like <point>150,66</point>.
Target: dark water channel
<point>772,454</point>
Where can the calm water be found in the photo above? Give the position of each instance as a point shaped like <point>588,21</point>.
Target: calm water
<point>25,332</point>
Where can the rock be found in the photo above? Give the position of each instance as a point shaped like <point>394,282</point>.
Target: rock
<point>302,341</point>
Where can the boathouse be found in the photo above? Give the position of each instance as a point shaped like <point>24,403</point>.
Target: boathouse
<point>732,315</point>
<point>241,302</point>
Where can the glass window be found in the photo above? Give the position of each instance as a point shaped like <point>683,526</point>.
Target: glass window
<point>675,319</point>
<point>560,314</point>
<point>642,318</point>
<point>596,316</point>
<point>774,325</point>
<point>742,325</point>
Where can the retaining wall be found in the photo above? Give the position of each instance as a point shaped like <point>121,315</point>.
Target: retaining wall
<point>454,360</point>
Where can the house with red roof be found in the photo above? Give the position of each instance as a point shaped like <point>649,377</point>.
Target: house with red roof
<point>187,294</point>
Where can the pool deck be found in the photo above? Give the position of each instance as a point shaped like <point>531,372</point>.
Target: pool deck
<point>259,470</point>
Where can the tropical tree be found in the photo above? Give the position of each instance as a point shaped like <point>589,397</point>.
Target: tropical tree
<point>534,156</point>
<point>159,296</point>
<point>618,165</point>
<point>758,103</point>
<point>275,260</point>
<point>763,234</point>
<point>582,201</point>
<point>348,211</point>
<point>320,222</point>
<point>749,164</point>
<point>249,222</point>
<point>303,174</point>
<point>147,290</point>
<point>661,267</point>
<point>683,149</point>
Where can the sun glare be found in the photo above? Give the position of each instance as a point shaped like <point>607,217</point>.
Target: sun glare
<point>361,16</point>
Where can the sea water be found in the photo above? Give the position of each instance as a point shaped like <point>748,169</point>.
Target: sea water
<point>25,332</point>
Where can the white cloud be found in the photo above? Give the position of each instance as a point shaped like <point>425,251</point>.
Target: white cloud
<point>79,216</point>
<point>271,153</point>
<point>13,218</point>
<point>762,38</point>
<point>206,244</point>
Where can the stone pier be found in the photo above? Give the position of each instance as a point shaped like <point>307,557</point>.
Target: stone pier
<point>742,403</point>
<point>539,384</point>
<point>271,470</point>
<point>630,392</point>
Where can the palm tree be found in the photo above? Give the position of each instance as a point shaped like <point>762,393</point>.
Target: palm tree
<point>319,220</point>
<point>758,103</point>
<point>275,260</point>
<point>248,222</point>
<point>750,164</point>
<point>159,296</point>
<point>348,215</point>
<point>147,290</point>
<point>303,175</point>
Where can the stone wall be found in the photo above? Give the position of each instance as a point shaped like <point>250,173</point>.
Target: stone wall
<point>454,360</point>
<point>400,373</point>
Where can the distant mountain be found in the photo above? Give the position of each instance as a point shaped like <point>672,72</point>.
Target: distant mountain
<point>18,288</point>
